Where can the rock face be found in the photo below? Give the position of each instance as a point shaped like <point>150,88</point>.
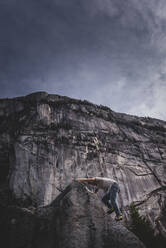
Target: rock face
<point>46,141</point>
<point>74,219</point>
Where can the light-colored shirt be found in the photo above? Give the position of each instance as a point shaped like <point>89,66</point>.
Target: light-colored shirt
<point>104,183</point>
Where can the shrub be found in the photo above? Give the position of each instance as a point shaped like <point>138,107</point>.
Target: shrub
<point>144,231</point>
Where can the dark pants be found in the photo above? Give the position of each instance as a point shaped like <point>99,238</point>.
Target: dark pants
<point>110,198</point>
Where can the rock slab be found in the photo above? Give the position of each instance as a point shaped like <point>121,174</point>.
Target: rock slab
<point>74,219</point>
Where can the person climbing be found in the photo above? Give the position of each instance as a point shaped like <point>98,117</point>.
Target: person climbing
<point>110,188</point>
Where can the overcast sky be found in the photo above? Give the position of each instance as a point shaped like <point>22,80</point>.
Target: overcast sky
<point>110,52</point>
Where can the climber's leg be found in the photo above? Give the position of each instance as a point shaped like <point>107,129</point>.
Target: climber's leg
<point>113,198</point>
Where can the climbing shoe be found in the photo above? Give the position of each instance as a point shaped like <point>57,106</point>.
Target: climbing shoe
<point>117,218</point>
<point>110,211</point>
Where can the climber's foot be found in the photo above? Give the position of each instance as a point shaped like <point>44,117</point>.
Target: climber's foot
<point>110,211</point>
<point>120,217</point>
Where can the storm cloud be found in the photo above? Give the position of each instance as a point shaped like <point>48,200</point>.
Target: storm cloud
<point>110,52</point>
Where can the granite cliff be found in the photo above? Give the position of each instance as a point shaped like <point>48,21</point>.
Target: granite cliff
<point>46,141</point>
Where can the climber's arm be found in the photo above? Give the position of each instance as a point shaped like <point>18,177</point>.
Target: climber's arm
<point>88,180</point>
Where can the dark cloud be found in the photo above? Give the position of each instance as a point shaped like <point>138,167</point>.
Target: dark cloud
<point>111,52</point>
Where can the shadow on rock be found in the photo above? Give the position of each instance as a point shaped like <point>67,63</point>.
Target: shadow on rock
<point>74,219</point>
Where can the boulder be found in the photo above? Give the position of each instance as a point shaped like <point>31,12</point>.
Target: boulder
<point>76,218</point>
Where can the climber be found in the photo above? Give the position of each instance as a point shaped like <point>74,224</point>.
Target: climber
<point>110,188</point>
